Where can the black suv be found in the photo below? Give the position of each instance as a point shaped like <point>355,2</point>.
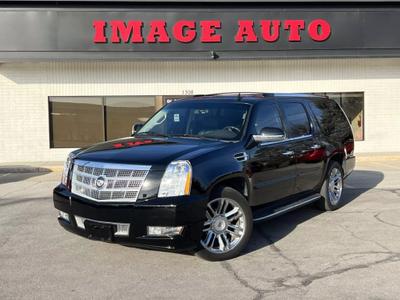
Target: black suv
<point>202,170</point>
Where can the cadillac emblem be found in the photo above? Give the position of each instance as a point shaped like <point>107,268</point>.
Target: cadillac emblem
<point>100,182</point>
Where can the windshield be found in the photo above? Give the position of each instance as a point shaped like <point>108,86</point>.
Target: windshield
<point>215,120</point>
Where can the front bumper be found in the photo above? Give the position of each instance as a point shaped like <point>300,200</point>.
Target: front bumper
<point>188,211</point>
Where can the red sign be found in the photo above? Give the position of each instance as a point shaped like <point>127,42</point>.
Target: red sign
<point>208,31</point>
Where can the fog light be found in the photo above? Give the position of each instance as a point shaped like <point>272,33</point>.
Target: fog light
<point>63,215</point>
<point>80,222</point>
<point>164,231</point>
<point>122,229</point>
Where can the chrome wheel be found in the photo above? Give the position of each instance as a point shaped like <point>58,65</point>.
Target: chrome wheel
<point>335,186</point>
<point>224,227</point>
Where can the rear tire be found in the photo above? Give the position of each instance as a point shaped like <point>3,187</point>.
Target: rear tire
<point>332,188</point>
<point>228,227</point>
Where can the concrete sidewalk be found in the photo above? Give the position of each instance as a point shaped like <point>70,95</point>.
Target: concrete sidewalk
<point>31,167</point>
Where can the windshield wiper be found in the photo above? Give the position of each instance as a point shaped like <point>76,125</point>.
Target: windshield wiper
<point>151,133</point>
<point>202,137</point>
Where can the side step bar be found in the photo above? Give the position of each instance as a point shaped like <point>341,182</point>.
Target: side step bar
<point>289,207</point>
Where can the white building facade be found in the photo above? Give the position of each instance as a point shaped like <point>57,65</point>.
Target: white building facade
<point>49,107</point>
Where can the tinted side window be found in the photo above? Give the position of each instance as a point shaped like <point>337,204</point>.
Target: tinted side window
<point>330,118</point>
<point>267,115</point>
<point>297,123</point>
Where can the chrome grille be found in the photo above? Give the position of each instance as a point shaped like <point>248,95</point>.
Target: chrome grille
<point>121,183</point>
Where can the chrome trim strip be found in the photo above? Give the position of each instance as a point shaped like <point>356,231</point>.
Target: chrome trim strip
<point>288,140</point>
<point>287,209</point>
<point>104,165</point>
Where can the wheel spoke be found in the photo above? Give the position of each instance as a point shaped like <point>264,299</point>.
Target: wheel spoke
<point>233,233</point>
<point>235,217</point>
<point>213,212</point>
<point>219,207</point>
<point>231,212</point>
<point>208,238</point>
<point>226,240</point>
<point>235,227</point>
<point>206,227</point>
<point>221,243</point>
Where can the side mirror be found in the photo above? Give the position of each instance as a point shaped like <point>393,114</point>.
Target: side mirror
<point>136,127</point>
<point>269,134</point>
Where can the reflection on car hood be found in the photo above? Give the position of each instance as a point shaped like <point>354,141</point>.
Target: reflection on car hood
<point>148,151</point>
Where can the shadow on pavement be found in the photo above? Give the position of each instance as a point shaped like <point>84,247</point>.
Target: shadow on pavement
<point>271,231</point>
<point>7,177</point>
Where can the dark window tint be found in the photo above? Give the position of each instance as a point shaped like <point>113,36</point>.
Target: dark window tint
<point>297,123</point>
<point>353,105</point>
<point>267,115</point>
<point>205,119</point>
<point>81,121</point>
<point>330,117</point>
<point>122,112</point>
<point>76,121</point>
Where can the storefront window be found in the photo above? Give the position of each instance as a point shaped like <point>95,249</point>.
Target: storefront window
<point>352,104</point>
<point>80,121</point>
<point>75,121</point>
<point>122,112</point>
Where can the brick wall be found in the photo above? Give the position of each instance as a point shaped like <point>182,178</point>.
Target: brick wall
<point>25,87</point>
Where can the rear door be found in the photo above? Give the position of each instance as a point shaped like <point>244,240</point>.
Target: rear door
<point>271,164</point>
<point>306,147</point>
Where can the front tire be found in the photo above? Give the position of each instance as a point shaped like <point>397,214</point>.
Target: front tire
<point>228,227</point>
<point>332,188</point>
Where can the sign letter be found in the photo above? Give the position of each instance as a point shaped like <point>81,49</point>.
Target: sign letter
<point>208,34</point>
<point>270,33</point>
<point>121,31</point>
<point>157,29</point>
<point>99,31</point>
<point>294,27</point>
<point>185,31</point>
<point>245,29</point>
<point>319,30</point>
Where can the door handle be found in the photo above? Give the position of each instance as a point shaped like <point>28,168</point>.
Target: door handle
<point>316,146</point>
<point>288,153</point>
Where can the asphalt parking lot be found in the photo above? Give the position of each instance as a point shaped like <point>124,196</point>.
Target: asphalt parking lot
<point>352,253</point>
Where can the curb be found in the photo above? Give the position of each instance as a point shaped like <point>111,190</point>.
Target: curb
<point>29,169</point>
<point>371,158</point>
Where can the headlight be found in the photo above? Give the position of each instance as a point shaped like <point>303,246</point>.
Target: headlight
<point>67,167</point>
<point>177,179</point>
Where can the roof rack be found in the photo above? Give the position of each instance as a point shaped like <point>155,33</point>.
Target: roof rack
<point>239,95</point>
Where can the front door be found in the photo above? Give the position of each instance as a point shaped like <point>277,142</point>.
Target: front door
<point>272,164</point>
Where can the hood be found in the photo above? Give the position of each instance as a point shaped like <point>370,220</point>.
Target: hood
<point>148,151</point>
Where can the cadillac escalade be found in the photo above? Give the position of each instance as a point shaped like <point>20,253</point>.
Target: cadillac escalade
<point>202,170</point>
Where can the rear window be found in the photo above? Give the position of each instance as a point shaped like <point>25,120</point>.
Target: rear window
<point>330,117</point>
<point>297,123</point>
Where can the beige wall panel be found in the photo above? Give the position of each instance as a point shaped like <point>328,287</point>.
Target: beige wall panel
<point>25,87</point>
